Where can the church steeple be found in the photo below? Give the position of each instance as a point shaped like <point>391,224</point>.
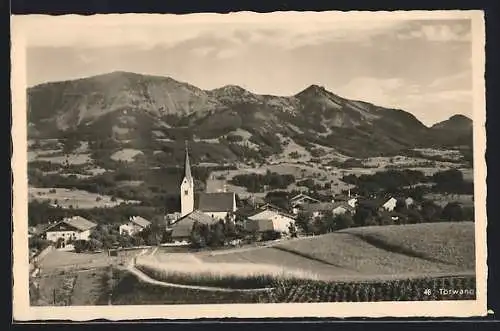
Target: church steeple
<point>187,188</point>
<point>187,166</point>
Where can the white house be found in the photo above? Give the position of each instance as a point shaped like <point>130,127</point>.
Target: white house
<point>409,201</point>
<point>276,221</point>
<point>134,225</point>
<point>342,208</point>
<point>390,204</point>
<point>73,228</point>
<point>352,202</point>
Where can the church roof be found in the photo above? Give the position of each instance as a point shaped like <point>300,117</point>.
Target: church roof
<point>216,202</point>
<point>187,166</point>
<point>182,228</point>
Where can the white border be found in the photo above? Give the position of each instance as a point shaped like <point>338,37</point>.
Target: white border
<point>21,308</point>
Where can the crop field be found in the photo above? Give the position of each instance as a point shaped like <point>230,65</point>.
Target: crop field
<point>219,274</point>
<point>76,198</point>
<point>131,291</point>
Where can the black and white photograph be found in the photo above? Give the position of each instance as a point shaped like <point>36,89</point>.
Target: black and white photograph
<point>285,164</point>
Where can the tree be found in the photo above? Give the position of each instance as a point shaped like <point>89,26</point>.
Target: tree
<point>292,230</point>
<point>328,221</point>
<point>93,245</point>
<point>270,235</point>
<point>430,211</point>
<point>216,237</point>
<point>343,221</point>
<point>452,212</point>
<point>468,213</point>
<point>80,246</point>
<point>197,238</point>
<point>303,222</point>
<point>365,214</point>
<point>400,206</point>
<point>413,216</point>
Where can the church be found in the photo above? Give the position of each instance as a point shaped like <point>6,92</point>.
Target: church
<point>208,207</point>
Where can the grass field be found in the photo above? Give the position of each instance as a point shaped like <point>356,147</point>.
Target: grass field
<point>411,250</point>
<point>126,154</point>
<point>450,243</point>
<point>76,198</point>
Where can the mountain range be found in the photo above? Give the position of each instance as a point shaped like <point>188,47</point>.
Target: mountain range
<point>158,113</point>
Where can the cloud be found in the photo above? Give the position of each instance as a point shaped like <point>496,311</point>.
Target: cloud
<point>461,80</point>
<point>429,103</point>
<point>438,31</point>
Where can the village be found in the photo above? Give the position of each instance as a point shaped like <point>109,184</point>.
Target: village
<point>242,221</point>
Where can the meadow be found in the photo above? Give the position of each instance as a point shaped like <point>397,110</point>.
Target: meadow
<point>67,198</point>
<point>411,250</point>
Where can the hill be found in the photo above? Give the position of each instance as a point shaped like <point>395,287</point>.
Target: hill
<point>127,110</point>
<point>455,131</point>
<point>375,252</point>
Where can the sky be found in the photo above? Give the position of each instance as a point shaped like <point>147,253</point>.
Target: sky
<point>421,64</point>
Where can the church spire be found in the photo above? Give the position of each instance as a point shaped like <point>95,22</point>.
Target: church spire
<point>187,166</point>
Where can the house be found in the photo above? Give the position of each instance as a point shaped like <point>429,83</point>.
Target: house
<point>300,200</point>
<point>409,202</point>
<point>318,209</point>
<point>134,225</point>
<point>181,230</point>
<point>266,220</point>
<point>72,228</point>
<point>341,208</point>
<point>389,204</point>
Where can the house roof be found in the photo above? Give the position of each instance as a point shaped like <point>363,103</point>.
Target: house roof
<point>319,206</point>
<point>77,222</point>
<point>80,223</point>
<point>302,196</point>
<point>268,214</point>
<point>140,221</point>
<point>182,228</point>
<point>343,205</point>
<point>216,202</point>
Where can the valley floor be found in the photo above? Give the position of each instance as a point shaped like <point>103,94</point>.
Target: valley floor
<point>399,259</point>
